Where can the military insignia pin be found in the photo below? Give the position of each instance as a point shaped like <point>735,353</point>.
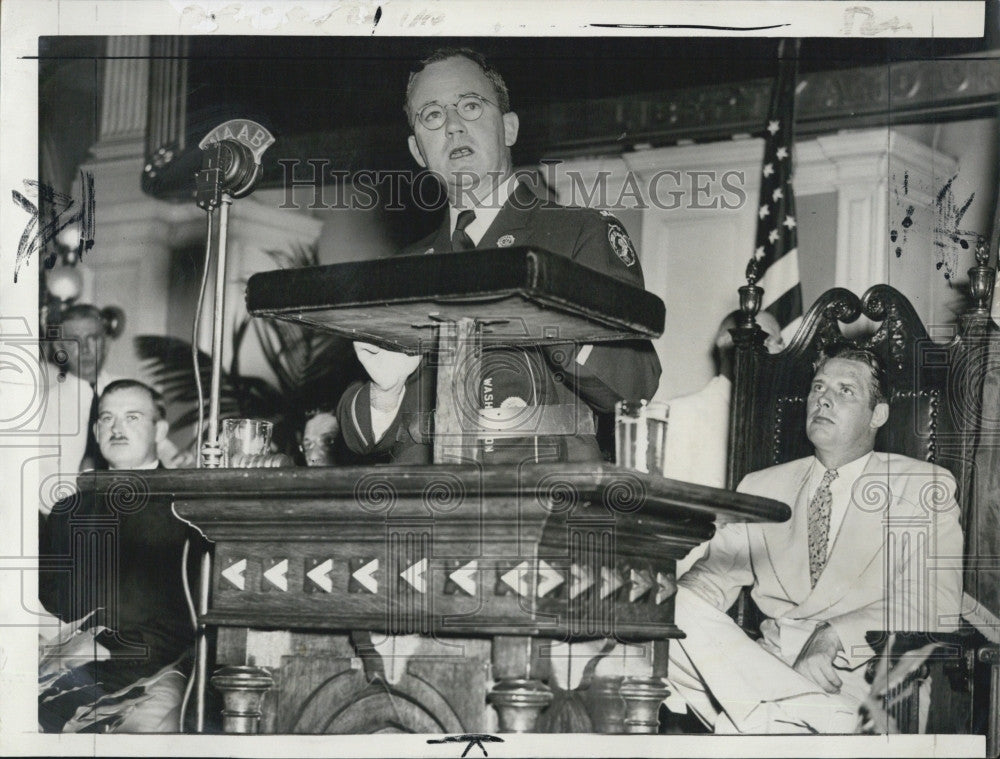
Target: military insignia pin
<point>506,241</point>
<point>620,243</point>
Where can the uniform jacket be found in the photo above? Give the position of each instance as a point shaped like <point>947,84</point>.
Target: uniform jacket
<point>552,375</point>
<point>871,581</point>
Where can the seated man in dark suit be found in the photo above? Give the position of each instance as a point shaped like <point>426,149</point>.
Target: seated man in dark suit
<point>112,568</point>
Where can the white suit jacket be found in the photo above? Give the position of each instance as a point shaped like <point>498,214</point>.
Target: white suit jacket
<point>894,564</point>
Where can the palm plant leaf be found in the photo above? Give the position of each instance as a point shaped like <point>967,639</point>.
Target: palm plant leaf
<point>312,368</point>
<point>306,362</point>
<point>239,332</point>
<point>282,348</point>
<point>259,399</point>
<point>168,361</point>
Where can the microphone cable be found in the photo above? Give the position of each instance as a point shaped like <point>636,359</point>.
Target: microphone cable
<point>197,439</point>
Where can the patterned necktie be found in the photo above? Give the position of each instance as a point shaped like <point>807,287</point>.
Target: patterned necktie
<point>460,239</point>
<point>819,526</point>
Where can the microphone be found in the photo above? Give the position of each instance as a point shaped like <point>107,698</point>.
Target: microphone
<point>231,161</point>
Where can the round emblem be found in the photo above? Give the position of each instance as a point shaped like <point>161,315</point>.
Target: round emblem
<point>507,379</point>
<point>513,401</point>
<point>620,243</point>
<point>506,241</point>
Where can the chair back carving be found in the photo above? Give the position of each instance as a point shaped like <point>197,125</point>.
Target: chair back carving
<point>767,421</point>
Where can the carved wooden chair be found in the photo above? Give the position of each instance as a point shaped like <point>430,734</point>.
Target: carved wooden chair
<point>934,413</point>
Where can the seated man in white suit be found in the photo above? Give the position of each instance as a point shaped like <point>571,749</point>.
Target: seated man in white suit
<point>823,578</point>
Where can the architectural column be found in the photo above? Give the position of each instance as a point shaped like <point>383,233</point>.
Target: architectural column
<point>888,216</point>
<point>126,95</point>
<point>134,234</point>
<point>168,83</point>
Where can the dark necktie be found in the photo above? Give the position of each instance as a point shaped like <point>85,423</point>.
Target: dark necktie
<point>819,526</point>
<point>460,239</point>
<point>92,458</point>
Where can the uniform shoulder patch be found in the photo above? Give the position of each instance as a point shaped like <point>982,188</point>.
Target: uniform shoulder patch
<point>619,240</point>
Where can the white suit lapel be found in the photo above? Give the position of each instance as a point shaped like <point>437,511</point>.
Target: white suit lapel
<point>787,543</point>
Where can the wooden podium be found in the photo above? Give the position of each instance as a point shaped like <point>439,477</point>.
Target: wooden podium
<point>487,564</point>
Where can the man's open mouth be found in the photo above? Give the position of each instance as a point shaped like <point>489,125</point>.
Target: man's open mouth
<point>460,152</point>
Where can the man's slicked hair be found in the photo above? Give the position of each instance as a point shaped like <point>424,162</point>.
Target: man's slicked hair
<point>443,54</point>
<point>129,384</point>
<point>78,311</point>
<point>879,386</point>
<point>323,408</point>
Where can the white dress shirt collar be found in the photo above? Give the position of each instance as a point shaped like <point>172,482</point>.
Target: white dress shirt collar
<point>154,464</point>
<point>485,213</point>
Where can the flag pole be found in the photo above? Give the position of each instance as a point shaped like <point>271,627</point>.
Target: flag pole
<point>773,271</point>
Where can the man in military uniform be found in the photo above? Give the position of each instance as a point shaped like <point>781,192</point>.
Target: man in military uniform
<point>458,109</point>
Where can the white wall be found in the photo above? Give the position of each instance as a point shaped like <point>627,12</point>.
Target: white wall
<point>974,145</point>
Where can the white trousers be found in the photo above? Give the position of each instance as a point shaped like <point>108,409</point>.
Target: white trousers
<point>752,690</point>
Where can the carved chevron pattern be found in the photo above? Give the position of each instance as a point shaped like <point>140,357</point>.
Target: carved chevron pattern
<point>525,578</point>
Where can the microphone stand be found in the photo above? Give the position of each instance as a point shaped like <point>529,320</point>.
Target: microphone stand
<point>211,450</point>
<point>215,191</point>
<point>211,197</point>
<point>217,324</point>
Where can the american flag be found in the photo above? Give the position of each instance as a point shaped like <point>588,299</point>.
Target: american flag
<point>776,249</point>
